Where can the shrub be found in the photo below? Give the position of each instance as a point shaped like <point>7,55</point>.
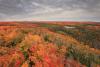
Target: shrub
<point>82,56</point>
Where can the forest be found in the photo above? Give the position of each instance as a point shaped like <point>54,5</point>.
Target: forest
<point>49,44</point>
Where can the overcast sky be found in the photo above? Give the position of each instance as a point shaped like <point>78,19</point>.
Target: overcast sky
<point>85,10</point>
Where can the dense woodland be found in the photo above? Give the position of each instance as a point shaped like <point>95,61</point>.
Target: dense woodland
<point>30,44</point>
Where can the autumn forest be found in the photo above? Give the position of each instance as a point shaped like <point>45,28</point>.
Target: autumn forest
<point>49,44</point>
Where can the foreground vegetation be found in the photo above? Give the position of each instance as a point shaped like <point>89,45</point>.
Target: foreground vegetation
<point>49,45</point>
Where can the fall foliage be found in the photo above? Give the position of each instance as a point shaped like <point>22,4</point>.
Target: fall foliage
<point>49,45</point>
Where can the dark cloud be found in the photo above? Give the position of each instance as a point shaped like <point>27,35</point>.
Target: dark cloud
<point>14,8</point>
<point>9,7</point>
<point>90,4</point>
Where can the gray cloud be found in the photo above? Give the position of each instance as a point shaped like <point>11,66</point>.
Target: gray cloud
<point>38,8</point>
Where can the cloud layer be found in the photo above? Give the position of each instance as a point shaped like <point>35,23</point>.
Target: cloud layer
<point>87,10</point>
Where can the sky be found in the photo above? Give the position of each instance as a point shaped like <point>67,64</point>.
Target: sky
<point>50,10</point>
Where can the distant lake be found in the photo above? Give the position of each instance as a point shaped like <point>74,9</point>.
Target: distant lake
<point>69,27</point>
